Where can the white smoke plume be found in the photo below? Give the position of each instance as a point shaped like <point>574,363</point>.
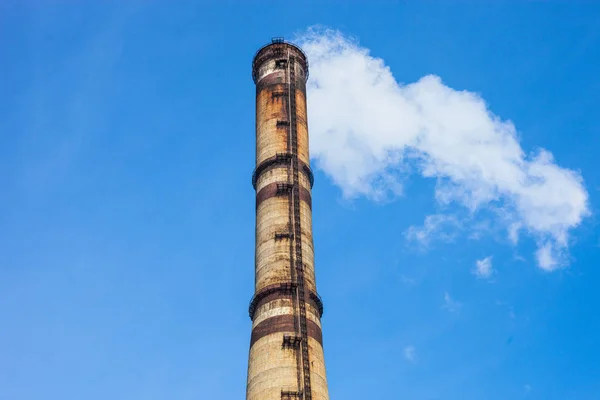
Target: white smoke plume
<point>369,132</point>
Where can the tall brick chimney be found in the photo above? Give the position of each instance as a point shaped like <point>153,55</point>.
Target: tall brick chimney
<point>286,347</point>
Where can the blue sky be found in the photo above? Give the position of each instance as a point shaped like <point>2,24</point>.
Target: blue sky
<point>127,212</point>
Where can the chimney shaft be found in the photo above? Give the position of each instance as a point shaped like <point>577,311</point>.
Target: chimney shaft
<point>286,347</point>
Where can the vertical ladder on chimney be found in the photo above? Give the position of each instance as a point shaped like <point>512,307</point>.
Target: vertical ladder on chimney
<point>301,299</point>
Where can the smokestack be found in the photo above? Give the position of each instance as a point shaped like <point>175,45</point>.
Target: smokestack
<point>286,347</point>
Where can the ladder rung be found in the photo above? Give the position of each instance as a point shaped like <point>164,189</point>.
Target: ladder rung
<point>291,341</point>
<point>284,188</point>
<point>287,394</point>
<point>284,235</point>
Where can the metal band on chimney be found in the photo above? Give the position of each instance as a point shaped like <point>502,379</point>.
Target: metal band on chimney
<point>280,160</point>
<point>281,291</point>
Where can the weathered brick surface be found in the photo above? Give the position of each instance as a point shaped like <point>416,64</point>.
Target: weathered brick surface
<point>274,368</point>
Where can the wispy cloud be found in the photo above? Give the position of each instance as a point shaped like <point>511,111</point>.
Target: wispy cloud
<point>513,232</point>
<point>450,304</point>
<point>408,281</point>
<point>380,130</point>
<point>442,227</point>
<point>549,256</point>
<point>410,353</point>
<point>483,268</point>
